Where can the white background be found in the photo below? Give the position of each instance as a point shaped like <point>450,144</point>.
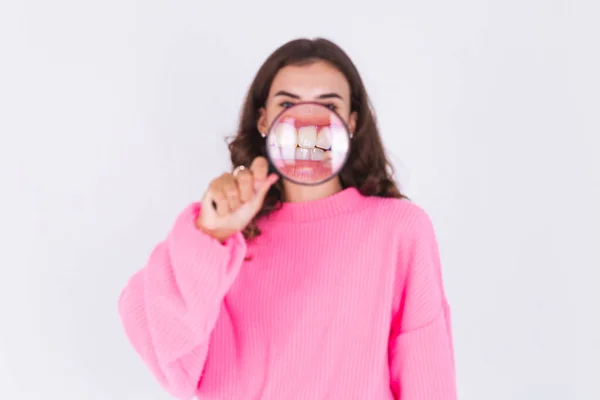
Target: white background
<point>113,116</point>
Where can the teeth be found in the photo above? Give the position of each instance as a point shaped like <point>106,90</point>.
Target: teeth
<point>286,136</point>
<point>324,138</point>
<point>272,140</point>
<point>303,154</point>
<point>288,153</point>
<point>275,153</point>
<point>328,159</point>
<point>339,140</point>
<point>317,154</point>
<point>337,159</point>
<point>307,137</point>
<point>314,154</point>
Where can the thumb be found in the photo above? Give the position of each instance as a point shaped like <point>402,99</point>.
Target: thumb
<point>261,193</point>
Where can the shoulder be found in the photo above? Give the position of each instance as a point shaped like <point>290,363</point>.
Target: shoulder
<point>402,216</point>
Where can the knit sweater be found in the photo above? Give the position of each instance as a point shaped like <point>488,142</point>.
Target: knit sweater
<point>339,298</point>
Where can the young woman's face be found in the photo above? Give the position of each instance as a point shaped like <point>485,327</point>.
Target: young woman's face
<point>317,82</point>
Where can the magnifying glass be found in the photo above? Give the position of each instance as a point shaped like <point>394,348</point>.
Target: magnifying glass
<point>308,143</point>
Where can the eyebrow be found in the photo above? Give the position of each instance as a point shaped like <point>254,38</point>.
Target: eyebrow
<point>331,95</point>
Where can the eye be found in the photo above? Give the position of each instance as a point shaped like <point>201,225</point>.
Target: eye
<point>331,106</point>
<point>286,104</point>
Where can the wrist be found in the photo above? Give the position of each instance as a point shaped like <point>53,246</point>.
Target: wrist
<point>217,234</point>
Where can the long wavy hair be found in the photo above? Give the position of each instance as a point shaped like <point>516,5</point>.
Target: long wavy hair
<point>367,168</point>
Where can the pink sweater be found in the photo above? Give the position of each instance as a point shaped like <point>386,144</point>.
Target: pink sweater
<point>341,298</point>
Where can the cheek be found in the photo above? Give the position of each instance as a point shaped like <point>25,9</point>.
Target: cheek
<point>270,115</point>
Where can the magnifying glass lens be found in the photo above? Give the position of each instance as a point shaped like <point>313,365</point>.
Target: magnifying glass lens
<point>308,143</point>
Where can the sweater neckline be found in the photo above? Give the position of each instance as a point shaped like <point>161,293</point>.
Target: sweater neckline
<point>342,202</point>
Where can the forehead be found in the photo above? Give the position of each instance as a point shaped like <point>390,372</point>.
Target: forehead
<point>311,80</point>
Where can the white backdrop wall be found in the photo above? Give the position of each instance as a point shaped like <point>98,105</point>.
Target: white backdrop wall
<point>113,116</point>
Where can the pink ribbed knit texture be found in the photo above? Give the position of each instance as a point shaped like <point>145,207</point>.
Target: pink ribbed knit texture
<point>340,298</point>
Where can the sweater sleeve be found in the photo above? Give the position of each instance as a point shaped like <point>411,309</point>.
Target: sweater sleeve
<point>169,308</point>
<point>421,350</point>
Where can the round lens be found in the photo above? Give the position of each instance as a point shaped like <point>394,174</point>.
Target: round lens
<point>308,143</point>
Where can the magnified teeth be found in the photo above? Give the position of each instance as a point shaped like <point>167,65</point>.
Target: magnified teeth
<point>307,137</point>
<point>288,153</point>
<point>339,140</point>
<point>272,140</point>
<point>303,154</point>
<point>286,136</point>
<point>324,138</point>
<point>317,154</point>
<point>275,153</point>
<point>337,159</point>
<point>328,159</point>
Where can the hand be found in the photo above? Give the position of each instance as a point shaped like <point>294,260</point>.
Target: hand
<point>233,200</point>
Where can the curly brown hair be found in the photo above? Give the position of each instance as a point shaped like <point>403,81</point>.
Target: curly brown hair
<point>367,168</point>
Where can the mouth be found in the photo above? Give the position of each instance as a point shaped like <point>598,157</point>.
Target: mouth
<point>308,153</point>
<point>306,170</point>
<point>309,114</point>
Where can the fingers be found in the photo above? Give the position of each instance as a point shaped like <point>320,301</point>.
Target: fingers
<point>245,182</point>
<point>219,201</point>
<point>224,194</point>
<point>228,193</point>
<point>262,180</point>
<point>260,169</point>
<point>264,189</point>
<point>231,191</point>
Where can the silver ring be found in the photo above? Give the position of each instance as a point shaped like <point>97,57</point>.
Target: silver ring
<point>237,170</point>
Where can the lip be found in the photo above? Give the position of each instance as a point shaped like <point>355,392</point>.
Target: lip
<point>301,123</point>
<point>306,170</point>
<point>318,119</point>
<point>310,114</point>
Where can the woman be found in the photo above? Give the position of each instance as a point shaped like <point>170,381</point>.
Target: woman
<point>270,290</point>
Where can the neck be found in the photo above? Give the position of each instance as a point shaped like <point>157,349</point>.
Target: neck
<point>294,193</point>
